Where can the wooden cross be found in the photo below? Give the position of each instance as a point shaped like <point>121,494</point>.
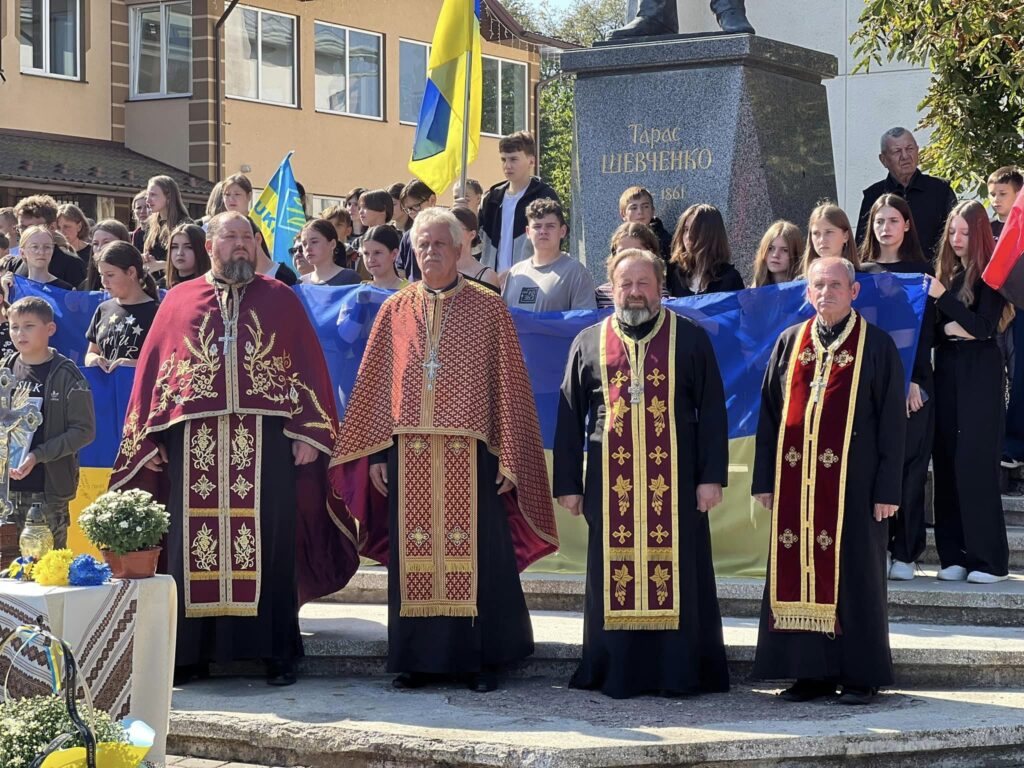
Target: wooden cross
<point>19,418</point>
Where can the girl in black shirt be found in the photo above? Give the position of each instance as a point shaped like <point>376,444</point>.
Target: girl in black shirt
<point>120,325</point>
<point>700,255</point>
<point>189,258</point>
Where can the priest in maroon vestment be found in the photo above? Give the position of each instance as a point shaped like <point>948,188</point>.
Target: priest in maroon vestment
<point>441,461</point>
<point>231,423</point>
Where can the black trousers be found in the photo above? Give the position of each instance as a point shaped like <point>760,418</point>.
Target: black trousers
<point>907,538</point>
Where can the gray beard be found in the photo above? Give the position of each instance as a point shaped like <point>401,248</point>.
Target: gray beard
<point>637,316</point>
<point>237,272</point>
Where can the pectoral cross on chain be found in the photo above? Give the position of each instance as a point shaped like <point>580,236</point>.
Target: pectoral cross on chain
<point>431,366</point>
<point>18,419</point>
<point>227,338</point>
<point>818,385</point>
<point>636,390</point>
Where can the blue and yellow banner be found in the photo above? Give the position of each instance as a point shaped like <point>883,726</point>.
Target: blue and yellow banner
<point>279,213</point>
<point>437,149</point>
<point>743,327</point>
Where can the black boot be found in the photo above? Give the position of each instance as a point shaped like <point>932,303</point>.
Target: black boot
<point>732,16</point>
<point>653,17</point>
<point>280,672</point>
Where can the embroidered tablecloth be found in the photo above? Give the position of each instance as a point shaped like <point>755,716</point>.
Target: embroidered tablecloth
<point>122,634</point>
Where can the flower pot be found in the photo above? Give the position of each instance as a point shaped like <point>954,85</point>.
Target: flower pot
<point>133,565</point>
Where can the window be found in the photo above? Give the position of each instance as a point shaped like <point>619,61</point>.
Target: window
<point>412,78</point>
<point>504,107</point>
<point>348,70</point>
<point>49,36</point>
<point>161,44</point>
<point>260,55</point>
<point>320,203</point>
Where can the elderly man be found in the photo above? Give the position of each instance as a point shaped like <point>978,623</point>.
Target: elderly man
<point>441,461</point>
<point>642,390</point>
<point>930,198</point>
<point>231,423</point>
<point>828,464</point>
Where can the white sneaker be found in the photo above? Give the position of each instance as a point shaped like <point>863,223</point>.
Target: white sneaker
<point>901,571</point>
<point>952,573</point>
<point>980,577</point>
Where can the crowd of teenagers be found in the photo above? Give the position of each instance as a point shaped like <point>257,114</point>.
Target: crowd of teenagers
<point>962,377</point>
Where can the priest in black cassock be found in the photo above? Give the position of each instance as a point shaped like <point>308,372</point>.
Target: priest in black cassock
<point>828,465</point>
<point>642,391</point>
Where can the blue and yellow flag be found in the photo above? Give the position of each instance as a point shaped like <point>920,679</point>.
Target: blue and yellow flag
<point>437,150</point>
<point>278,213</point>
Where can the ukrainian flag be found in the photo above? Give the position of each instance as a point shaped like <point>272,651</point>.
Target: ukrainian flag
<point>437,150</point>
<point>279,213</point>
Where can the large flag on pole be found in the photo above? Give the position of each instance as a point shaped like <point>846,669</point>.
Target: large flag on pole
<point>454,90</point>
<point>1005,270</point>
<point>278,213</point>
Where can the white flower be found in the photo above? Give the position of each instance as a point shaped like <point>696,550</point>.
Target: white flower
<point>138,528</point>
<point>123,524</point>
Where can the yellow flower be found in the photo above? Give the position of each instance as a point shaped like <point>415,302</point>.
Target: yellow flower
<point>52,569</point>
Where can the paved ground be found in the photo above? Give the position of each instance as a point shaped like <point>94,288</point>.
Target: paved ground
<point>327,722</point>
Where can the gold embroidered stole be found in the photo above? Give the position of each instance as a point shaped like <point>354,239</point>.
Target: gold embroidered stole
<point>437,524</point>
<point>810,477</point>
<point>639,457</point>
<point>221,515</point>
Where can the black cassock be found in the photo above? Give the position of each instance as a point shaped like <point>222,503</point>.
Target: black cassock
<point>501,634</point>
<point>274,632</point>
<point>859,653</point>
<point>970,529</point>
<point>623,663</point>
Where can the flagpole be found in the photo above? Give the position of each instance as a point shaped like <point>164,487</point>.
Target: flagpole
<point>465,104</point>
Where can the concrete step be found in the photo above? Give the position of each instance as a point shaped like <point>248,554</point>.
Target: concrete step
<point>1014,537</point>
<point>1013,509</point>
<point>345,639</point>
<point>362,722</point>
<point>923,600</point>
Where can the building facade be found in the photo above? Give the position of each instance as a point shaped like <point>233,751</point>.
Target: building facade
<point>204,88</point>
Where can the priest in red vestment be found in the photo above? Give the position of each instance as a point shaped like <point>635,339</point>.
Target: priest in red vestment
<point>440,460</point>
<point>829,466</point>
<point>231,423</point>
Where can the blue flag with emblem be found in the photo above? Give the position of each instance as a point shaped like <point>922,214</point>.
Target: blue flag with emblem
<point>279,213</point>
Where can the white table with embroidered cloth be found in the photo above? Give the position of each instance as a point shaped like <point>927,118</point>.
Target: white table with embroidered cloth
<point>122,634</point>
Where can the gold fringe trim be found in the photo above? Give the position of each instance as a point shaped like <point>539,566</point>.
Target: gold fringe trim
<point>221,610</point>
<point>803,620</point>
<point>659,553</point>
<point>419,566</point>
<point>637,622</point>
<point>420,611</point>
<point>621,553</point>
<point>458,566</point>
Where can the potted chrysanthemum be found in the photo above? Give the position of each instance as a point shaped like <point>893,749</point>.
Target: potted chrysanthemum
<point>28,726</point>
<point>127,527</point>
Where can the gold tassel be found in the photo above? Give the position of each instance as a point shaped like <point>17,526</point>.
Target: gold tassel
<point>804,621</point>
<point>458,566</point>
<point>419,611</point>
<point>419,566</point>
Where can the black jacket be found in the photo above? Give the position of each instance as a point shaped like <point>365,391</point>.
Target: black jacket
<point>930,200</point>
<point>490,221</point>
<point>64,266</point>
<point>664,238</point>
<point>726,278</point>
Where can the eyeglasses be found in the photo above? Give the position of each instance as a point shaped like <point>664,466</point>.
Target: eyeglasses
<point>295,250</point>
<point>411,209</point>
<point>37,248</point>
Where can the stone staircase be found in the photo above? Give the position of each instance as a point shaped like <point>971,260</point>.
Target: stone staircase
<point>958,651</point>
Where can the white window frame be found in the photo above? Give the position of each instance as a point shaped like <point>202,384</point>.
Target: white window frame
<point>133,51</point>
<point>526,104</point>
<point>321,203</point>
<point>348,48</point>
<point>426,73</point>
<point>260,13</point>
<point>44,72</point>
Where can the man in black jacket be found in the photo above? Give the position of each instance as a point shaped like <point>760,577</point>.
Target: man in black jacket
<point>930,198</point>
<point>503,209</point>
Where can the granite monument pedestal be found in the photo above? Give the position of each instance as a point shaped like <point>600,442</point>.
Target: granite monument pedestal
<point>737,121</point>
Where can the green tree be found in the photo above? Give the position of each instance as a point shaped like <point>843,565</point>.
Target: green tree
<point>975,101</point>
<point>581,23</point>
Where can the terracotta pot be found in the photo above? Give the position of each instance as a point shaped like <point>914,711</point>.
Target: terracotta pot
<point>133,565</point>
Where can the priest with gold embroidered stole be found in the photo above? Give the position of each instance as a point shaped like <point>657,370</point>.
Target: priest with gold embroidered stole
<point>828,465</point>
<point>441,461</point>
<point>231,423</point>
<point>643,393</point>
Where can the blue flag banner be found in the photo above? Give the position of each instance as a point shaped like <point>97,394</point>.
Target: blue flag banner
<point>743,328</point>
<point>279,213</point>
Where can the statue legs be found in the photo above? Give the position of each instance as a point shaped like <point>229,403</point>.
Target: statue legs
<point>659,17</point>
